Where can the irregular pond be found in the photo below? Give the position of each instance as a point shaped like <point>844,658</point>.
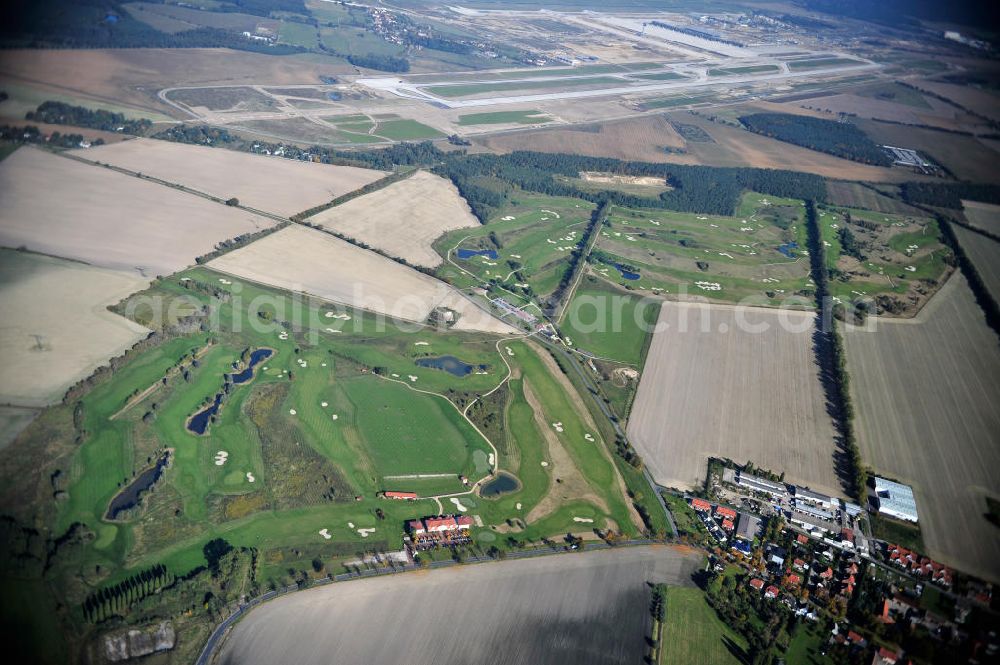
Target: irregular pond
<point>491,254</point>
<point>199,421</point>
<point>129,497</point>
<point>255,357</point>
<point>450,364</point>
<point>502,484</point>
<point>626,273</point>
<point>787,248</point>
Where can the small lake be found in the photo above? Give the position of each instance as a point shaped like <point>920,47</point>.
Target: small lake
<point>502,484</point>
<point>450,364</point>
<point>787,249</point>
<point>199,421</point>
<point>255,357</point>
<point>129,497</point>
<point>626,273</point>
<point>491,254</point>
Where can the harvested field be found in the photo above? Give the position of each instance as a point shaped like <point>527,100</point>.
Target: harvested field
<point>983,215</point>
<point>925,393</point>
<point>57,328</point>
<point>304,260</point>
<point>132,77</point>
<point>281,186</point>
<point>637,138</point>
<point>579,608</point>
<point>13,420</point>
<point>978,100</point>
<point>738,147</point>
<point>404,218</point>
<point>59,206</point>
<point>984,252</point>
<point>856,195</point>
<point>712,389</point>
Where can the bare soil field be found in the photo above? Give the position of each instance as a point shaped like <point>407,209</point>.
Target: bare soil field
<point>983,215</point>
<point>273,184</point>
<point>132,77</point>
<point>403,219</point>
<point>305,260</point>
<point>712,389</point>
<point>964,156</point>
<point>984,252</point>
<point>979,101</point>
<point>925,394</point>
<point>57,328</point>
<point>935,113</point>
<point>856,195</point>
<point>59,206</point>
<point>581,608</point>
<point>637,138</point>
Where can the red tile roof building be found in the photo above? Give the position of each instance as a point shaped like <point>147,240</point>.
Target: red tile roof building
<point>722,511</point>
<point>757,584</point>
<point>920,565</point>
<point>407,496</point>
<point>772,592</point>
<point>728,525</point>
<point>701,505</point>
<point>440,530</point>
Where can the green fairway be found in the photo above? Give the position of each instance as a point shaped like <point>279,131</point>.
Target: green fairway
<point>694,635</point>
<point>609,323</point>
<point>757,253</point>
<point>406,130</point>
<point>536,235</point>
<point>531,117</point>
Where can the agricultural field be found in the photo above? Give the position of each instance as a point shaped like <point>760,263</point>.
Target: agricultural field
<point>925,394</point>
<point>982,215</point>
<point>896,261</point>
<point>734,146</point>
<point>694,635</point>
<point>636,138</point>
<point>580,608</point>
<point>172,18</point>
<point>280,186</point>
<point>308,261</point>
<point>403,219</point>
<point>57,329</point>
<point>855,195</point>
<point>59,206</point>
<point>756,254</point>
<point>707,360</point>
<point>984,252</point>
<point>526,246</point>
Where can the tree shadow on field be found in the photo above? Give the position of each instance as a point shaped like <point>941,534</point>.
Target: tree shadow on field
<point>824,360</point>
<point>739,653</point>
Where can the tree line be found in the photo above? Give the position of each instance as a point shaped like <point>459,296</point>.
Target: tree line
<point>832,357</point>
<point>948,194</point>
<point>58,113</point>
<point>116,599</point>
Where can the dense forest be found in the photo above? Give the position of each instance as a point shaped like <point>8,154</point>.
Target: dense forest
<point>836,138</point>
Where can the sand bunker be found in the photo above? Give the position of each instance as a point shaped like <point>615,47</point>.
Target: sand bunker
<point>458,504</point>
<point>250,477</point>
<point>585,520</point>
<point>325,533</point>
<point>221,457</point>
<point>364,533</point>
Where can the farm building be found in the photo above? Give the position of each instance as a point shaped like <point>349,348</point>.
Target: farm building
<point>758,484</point>
<point>895,500</point>
<point>748,526</point>
<point>809,509</point>
<point>803,494</point>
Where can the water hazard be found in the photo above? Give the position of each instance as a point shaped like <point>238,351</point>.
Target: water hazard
<point>504,483</point>
<point>129,497</point>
